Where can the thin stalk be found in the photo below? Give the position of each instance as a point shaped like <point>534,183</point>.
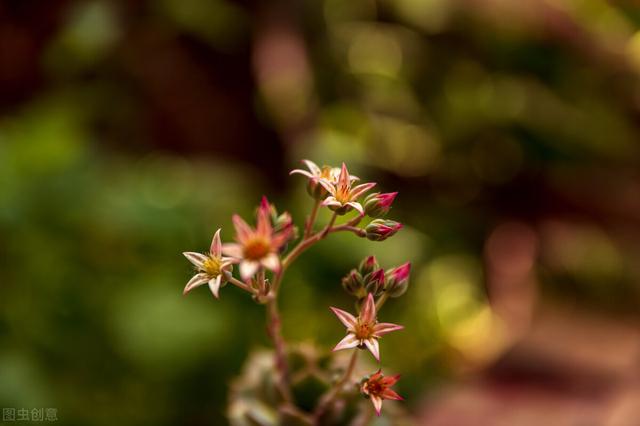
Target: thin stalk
<point>358,231</point>
<point>383,298</point>
<point>274,328</point>
<point>240,284</point>
<point>328,399</point>
<point>311,220</point>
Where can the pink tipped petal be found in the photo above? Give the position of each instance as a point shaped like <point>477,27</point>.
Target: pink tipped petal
<point>361,189</point>
<point>313,167</point>
<point>195,281</point>
<point>216,245</point>
<point>214,285</point>
<point>301,172</point>
<point>383,328</point>
<point>377,404</point>
<point>264,218</point>
<point>348,342</point>
<point>345,317</point>
<point>356,206</point>
<point>242,229</point>
<point>343,179</point>
<point>271,261</point>
<point>248,269</point>
<point>197,259</point>
<point>372,345</point>
<point>232,249</point>
<point>368,313</point>
<point>391,394</point>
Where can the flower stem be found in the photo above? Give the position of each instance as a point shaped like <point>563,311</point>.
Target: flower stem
<point>381,301</point>
<point>327,400</point>
<point>327,228</point>
<point>240,284</point>
<point>312,219</point>
<point>274,328</point>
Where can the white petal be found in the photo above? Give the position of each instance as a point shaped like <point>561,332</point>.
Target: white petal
<point>195,281</point>
<point>232,249</point>
<point>195,258</point>
<point>248,268</point>
<point>377,403</point>
<point>214,285</point>
<point>301,172</point>
<point>271,261</point>
<point>345,317</point>
<point>313,167</point>
<point>349,341</point>
<point>356,206</point>
<point>372,345</point>
<point>331,201</point>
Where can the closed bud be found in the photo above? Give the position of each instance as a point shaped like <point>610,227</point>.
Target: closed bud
<point>398,280</point>
<point>374,282</point>
<point>378,205</point>
<point>368,265</point>
<point>381,229</point>
<point>353,284</point>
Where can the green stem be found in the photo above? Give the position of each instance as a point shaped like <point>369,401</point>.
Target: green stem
<point>381,301</point>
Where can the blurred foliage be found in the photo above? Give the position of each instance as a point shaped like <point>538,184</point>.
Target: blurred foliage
<point>129,131</point>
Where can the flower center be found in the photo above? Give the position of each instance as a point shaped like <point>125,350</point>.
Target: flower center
<point>212,266</point>
<point>327,174</point>
<point>363,330</point>
<point>256,248</point>
<point>374,388</point>
<point>343,194</point>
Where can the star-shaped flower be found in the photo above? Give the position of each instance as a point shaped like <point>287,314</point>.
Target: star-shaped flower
<point>259,247</point>
<point>211,267</point>
<point>378,388</point>
<point>342,197</point>
<point>364,330</point>
<point>315,174</point>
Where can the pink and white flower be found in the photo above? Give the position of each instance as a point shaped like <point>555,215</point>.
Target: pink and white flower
<point>342,197</point>
<point>212,267</point>
<point>365,330</point>
<point>315,174</point>
<point>259,247</point>
<point>378,388</point>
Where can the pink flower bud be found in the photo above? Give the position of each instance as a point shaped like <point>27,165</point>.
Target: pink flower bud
<point>368,265</point>
<point>378,205</point>
<point>353,284</point>
<point>398,280</point>
<point>374,282</point>
<point>381,229</point>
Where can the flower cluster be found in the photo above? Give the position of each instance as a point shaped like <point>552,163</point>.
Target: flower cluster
<point>263,253</point>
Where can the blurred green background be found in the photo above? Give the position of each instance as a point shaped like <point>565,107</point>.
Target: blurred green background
<point>131,130</point>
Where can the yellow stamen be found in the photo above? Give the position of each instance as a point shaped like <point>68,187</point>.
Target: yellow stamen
<point>212,266</point>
